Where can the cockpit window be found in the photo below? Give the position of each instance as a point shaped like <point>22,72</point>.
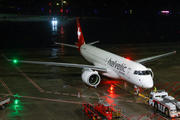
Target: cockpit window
<point>135,72</point>
<point>146,72</point>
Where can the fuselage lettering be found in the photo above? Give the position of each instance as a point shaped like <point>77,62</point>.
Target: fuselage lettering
<point>118,66</point>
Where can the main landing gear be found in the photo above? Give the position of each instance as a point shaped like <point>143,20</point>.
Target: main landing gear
<point>137,90</point>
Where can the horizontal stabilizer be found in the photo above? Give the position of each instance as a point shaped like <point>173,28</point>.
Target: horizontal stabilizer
<point>92,43</point>
<point>66,44</point>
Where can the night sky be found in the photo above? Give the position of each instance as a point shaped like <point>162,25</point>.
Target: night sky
<point>89,7</point>
<point>120,21</point>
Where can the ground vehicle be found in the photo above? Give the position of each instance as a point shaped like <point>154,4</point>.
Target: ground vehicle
<point>100,111</point>
<point>4,102</point>
<point>167,104</point>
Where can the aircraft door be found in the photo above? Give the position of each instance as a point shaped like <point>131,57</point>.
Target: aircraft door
<point>128,73</point>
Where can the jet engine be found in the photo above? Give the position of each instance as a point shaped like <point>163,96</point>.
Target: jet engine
<point>91,78</point>
<point>151,72</point>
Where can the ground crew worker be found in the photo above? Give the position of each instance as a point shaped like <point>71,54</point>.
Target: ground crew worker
<point>120,113</point>
<point>119,110</point>
<point>155,89</point>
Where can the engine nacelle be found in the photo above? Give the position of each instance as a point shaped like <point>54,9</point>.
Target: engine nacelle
<point>91,78</point>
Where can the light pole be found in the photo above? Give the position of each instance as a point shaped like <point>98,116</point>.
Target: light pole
<point>62,6</point>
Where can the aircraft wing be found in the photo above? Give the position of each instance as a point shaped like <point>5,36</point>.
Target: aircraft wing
<point>63,64</point>
<point>148,59</point>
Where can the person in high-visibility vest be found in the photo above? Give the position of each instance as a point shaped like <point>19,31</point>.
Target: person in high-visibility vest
<point>155,89</point>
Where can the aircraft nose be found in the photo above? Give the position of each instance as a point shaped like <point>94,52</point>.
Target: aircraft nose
<point>148,83</point>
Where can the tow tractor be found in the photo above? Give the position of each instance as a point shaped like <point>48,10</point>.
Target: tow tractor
<point>101,111</point>
<point>167,104</point>
<point>4,102</point>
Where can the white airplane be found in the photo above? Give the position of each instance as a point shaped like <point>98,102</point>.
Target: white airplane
<point>108,64</point>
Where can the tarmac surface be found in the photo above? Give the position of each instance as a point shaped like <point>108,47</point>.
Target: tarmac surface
<point>57,93</point>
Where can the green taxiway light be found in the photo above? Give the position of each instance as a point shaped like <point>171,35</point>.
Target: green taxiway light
<point>16,101</point>
<point>15,61</point>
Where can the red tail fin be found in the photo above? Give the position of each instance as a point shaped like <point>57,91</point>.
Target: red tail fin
<point>79,34</point>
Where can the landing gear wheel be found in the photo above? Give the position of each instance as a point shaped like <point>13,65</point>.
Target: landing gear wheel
<point>156,106</point>
<point>167,112</point>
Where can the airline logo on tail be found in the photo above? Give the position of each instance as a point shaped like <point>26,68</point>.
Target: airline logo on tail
<point>79,35</point>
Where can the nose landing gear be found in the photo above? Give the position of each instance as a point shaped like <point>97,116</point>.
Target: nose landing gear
<point>136,90</point>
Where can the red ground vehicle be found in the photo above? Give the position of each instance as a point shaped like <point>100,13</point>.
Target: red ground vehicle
<point>100,111</point>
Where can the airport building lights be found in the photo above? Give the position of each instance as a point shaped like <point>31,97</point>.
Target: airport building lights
<point>165,12</point>
<point>130,11</point>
